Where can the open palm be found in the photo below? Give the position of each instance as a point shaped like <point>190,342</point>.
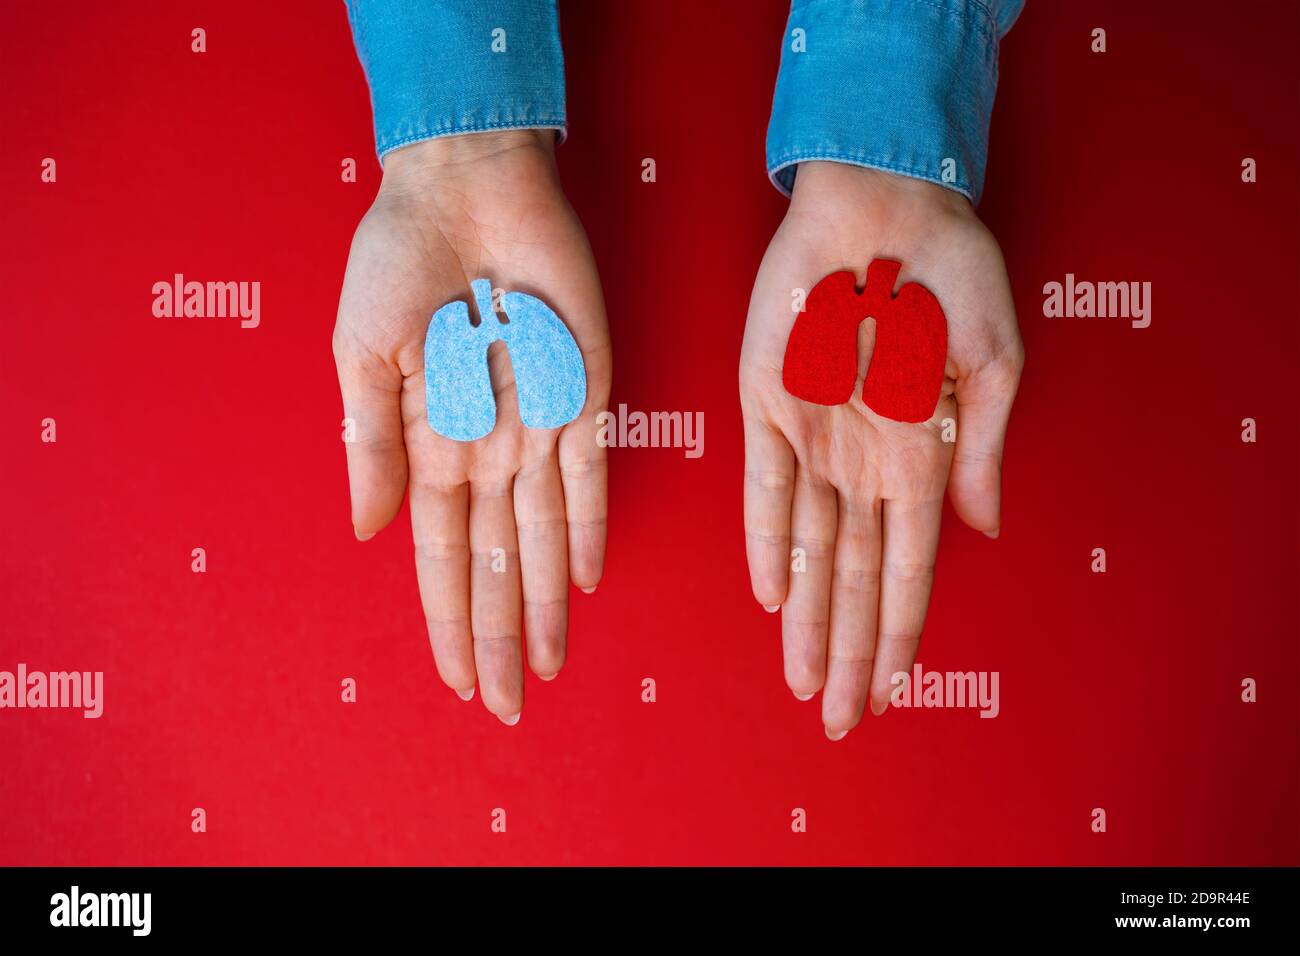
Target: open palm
<point>842,506</point>
<point>501,524</point>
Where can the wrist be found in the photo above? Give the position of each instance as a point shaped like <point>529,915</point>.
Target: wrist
<point>468,161</point>
<point>819,183</point>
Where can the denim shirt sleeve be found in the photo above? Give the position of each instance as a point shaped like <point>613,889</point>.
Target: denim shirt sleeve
<point>904,86</point>
<point>444,67</point>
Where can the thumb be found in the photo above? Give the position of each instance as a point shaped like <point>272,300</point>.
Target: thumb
<point>372,433</point>
<point>983,406</point>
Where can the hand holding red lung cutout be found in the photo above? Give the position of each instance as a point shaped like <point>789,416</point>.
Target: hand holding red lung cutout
<point>844,499</point>
<point>906,370</point>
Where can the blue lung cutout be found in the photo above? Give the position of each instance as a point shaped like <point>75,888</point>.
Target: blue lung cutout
<point>550,379</point>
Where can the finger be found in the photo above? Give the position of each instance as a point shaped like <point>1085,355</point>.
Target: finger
<point>372,437</point>
<point>440,526</point>
<point>583,476</point>
<point>806,612</point>
<point>495,599</point>
<point>855,602</point>
<point>983,406</point>
<point>769,490</point>
<point>543,564</point>
<point>910,543</point>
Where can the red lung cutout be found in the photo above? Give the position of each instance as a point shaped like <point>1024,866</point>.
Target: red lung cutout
<point>906,371</point>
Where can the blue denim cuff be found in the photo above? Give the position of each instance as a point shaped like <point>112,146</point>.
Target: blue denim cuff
<point>906,87</point>
<point>443,67</point>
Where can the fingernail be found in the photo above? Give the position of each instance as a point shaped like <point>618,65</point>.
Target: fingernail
<point>587,590</point>
<point>465,694</point>
<point>549,676</point>
<point>993,534</point>
<point>840,736</point>
<point>802,696</point>
<point>509,721</point>
<point>771,608</point>
<point>363,537</point>
<point>878,708</point>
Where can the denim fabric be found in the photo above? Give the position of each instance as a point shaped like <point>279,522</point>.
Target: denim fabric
<point>898,85</point>
<point>432,70</point>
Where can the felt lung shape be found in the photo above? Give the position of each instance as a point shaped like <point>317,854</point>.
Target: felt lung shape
<point>906,371</point>
<point>550,379</point>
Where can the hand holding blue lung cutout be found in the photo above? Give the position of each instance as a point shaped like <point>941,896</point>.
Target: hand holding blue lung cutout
<point>507,489</point>
<point>550,380</point>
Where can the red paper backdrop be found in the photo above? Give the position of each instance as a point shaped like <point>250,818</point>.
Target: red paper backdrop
<point>1119,691</point>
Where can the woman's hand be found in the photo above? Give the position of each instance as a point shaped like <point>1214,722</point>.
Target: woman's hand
<point>862,495</point>
<point>448,211</point>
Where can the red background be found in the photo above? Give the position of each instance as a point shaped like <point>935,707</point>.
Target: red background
<point>1119,691</point>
